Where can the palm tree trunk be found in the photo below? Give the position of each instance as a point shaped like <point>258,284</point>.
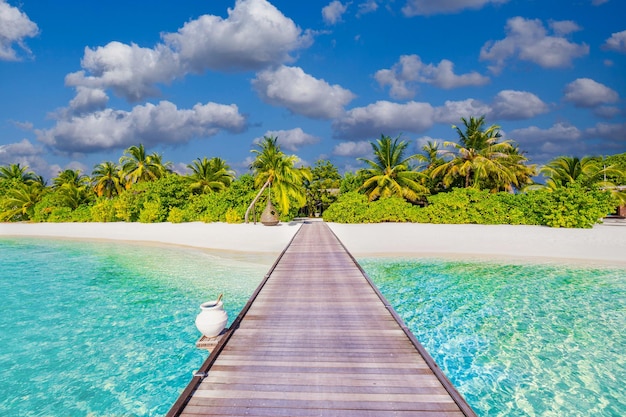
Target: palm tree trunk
<point>267,183</point>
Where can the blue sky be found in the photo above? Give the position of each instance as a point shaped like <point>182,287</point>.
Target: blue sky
<point>81,81</point>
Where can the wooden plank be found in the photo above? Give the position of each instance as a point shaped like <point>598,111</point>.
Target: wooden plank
<point>318,339</point>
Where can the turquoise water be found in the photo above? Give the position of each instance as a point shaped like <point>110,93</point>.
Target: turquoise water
<point>107,329</point>
<point>517,340</point>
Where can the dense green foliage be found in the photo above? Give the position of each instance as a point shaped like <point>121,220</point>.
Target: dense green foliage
<point>482,180</point>
<point>572,206</point>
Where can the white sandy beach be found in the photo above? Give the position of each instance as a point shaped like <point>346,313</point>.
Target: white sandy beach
<point>604,244</point>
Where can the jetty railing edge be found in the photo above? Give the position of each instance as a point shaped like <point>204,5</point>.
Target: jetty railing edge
<point>201,373</point>
<point>447,384</point>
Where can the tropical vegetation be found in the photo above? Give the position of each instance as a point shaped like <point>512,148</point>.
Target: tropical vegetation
<point>479,178</point>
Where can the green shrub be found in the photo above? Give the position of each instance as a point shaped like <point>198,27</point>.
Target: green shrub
<point>177,215</point>
<point>152,212</point>
<point>103,210</point>
<point>350,207</point>
<point>575,206</point>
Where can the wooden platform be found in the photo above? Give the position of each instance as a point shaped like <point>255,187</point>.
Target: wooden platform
<point>318,339</point>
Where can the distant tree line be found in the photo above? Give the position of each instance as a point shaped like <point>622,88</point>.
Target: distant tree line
<point>479,178</point>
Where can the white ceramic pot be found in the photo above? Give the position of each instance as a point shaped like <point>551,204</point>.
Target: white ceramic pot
<point>212,319</point>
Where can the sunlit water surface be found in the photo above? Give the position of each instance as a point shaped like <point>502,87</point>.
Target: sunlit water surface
<point>517,340</point>
<point>107,329</point>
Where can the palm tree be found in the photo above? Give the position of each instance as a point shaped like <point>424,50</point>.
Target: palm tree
<point>272,167</point>
<point>429,159</point>
<point>138,166</point>
<point>210,175</point>
<point>106,179</point>
<point>565,170</point>
<point>587,171</point>
<point>16,172</point>
<point>72,177</point>
<point>20,201</point>
<point>479,159</point>
<point>390,173</point>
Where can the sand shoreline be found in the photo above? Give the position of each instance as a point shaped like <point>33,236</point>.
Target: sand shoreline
<point>603,244</point>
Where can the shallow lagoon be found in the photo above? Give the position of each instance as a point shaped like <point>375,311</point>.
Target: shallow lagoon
<point>107,329</point>
<point>516,339</point>
<point>102,329</point>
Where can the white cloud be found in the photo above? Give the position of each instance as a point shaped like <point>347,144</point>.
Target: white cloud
<point>291,139</point>
<point>585,92</point>
<point>27,155</point>
<point>15,26</point>
<point>545,144</point>
<point>528,40</point>
<point>606,112</point>
<point>410,69</point>
<point>431,7</point>
<point>515,105</point>
<point>559,132</point>
<point>366,7</point>
<point>88,100</point>
<point>129,70</point>
<point>255,35</point>
<point>384,117</point>
<point>452,111</point>
<point>564,27</point>
<point>149,124</point>
<point>615,132</point>
<point>598,2</point>
<point>617,42</point>
<point>301,93</point>
<point>353,149</point>
<point>333,11</point>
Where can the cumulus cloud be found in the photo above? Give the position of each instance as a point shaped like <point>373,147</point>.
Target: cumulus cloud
<point>617,42</point>
<point>430,7</point>
<point>559,132</point>
<point>528,40</point>
<point>25,154</point>
<point>301,93</point>
<point>255,35</point>
<point>15,26</point>
<point>88,100</point>
<point>353,149</point>
<point>452,111</point>
<point>614,132</point>
<point>149,124</point>
<point>585,92</point>
<point>384,117</point>
<point>564,27</point>
<point>410,70</point>
<point>515,105</point>
<point>129,70</point>
<point>292,139</point>
<point>545,144</point>
<point>333,12</point>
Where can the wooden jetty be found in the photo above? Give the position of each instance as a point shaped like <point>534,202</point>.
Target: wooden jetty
<point>318,339</point>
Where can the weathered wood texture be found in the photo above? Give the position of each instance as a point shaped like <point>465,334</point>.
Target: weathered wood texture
<point>319,340</point>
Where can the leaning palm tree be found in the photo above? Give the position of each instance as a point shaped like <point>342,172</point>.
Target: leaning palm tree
<point>390,173</point>
<point>479,159</point>
<point>209,175</point>
<point>272,167</point>
<point>17,172</point>
<point>106,179</point>
<point>138,166</point>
